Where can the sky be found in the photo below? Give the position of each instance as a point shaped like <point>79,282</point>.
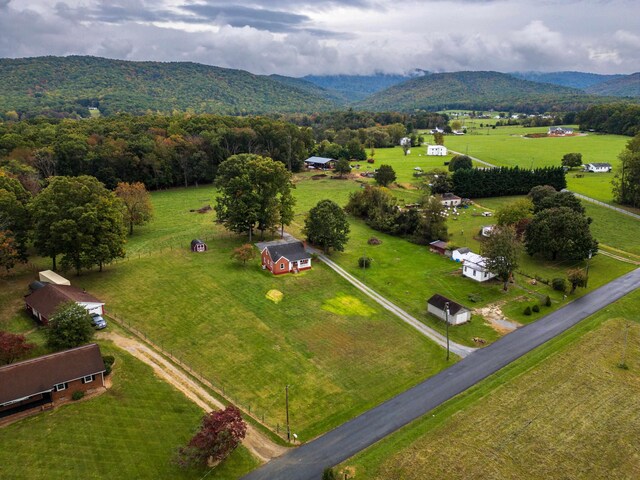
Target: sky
<point>326,37</point>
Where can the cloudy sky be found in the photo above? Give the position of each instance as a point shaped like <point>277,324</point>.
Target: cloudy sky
<point>299,37</point>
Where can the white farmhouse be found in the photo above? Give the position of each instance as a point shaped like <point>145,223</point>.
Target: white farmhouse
<point>450,200</point>
<point>597,167</point>
<point>460,254</point>
<point>438,150</point>
<point>474,267</point>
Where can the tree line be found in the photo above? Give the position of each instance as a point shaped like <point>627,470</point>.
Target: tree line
<point>503,181</point>
<point>615,118</point>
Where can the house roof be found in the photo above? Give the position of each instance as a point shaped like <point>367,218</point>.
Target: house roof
<point>600,165</point>
<point>439,302</point>
<point>474,260</point>
<point>439,244</point>
<point>463,250</point>
<point>321,160</point>
<point>41,374</point>
<point>46,299</point>
<point>197,241</point>
<point>292,251</point>
<point>450,196</point>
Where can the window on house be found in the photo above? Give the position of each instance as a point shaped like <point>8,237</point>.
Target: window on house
<point>281,265</point>
<point>88,379</point>
<point>61,386</point>
<point>474,273</point>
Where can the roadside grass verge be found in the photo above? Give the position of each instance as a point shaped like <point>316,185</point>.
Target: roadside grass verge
<point>131,431</point>
<point>563,410</point>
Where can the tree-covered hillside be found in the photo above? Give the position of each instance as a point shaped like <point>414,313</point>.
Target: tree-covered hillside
<point>581,80</point>
<point>626,86</point>
<point>478,91</point>
<point>54,85</point>
<point>359,87</point>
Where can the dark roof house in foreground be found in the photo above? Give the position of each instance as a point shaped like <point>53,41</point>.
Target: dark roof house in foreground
<point>458,314</point>
<point>286,257</point>
<point>43,302</point>
<point>40,383</point>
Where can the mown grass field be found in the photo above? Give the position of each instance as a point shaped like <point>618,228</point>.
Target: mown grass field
<point>131,431</point>
<point>563,411</point>
<point>508,146</point>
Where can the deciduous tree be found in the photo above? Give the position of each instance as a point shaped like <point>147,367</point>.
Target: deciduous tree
<point>220,433</point>
<point>501,251</point>
<point>69,327</point>
<point>9,255</point>
<point>327,226</point>
<point>137,203</point>
<point>244,253</point>
<point>432,223</point>
<point>626,182</point>
<point>385,175</point>
<point>459,162</point>
<point>572,160</point>
<point>342,167</point>
<point>577,278</point>
<point>514,212</point>
<point>13,347</point>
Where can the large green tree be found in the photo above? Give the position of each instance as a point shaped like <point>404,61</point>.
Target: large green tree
<point>15,220</point>
<point>501,252</point>
<point>78,218</point>
<point>69,327</point>
<point>459,162</point>
<point>560,232</point>
<point>514,212</point>
<point>255,193</point>
<point>432,223</point>
<point>571,160</point>
<point>385,175</point>
<point>137,203</point>
<point>626,182</point>
<point>327,226</point>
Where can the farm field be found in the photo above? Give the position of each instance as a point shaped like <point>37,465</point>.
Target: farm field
<point>340,352</point>
<point>507,146</point>
<point>131,431</point>
<point>563,411</point>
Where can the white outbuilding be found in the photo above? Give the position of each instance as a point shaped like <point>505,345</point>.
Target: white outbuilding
<point>597,167</point>
<point>474,267</point>
<point>438,305</point>
<point>437,150</point>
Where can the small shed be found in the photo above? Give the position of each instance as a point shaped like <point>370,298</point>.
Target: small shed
<point>437,305</point>
<point>438,246</point>
<point>450,200</point>
<point>198,246</point>
<point>460,254</point>
<point>438,150</point>
<point>49,276</point>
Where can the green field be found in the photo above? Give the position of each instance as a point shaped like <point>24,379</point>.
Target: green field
<point>563,411</point>
<point>131,431</point>
<point>508,146</point>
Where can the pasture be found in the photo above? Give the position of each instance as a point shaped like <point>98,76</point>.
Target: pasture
<point>563,411</point>
<point>131,431</point>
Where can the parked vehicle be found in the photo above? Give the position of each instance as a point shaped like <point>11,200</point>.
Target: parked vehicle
<point>98,322</point>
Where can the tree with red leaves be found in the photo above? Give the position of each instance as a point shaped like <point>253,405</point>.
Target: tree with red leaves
<point>13,347</point>
<point>220,433</point>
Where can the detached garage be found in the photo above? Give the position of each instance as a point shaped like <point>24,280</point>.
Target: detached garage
<point>458,314</point>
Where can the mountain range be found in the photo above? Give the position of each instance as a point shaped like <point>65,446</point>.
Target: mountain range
<point>70,86</point>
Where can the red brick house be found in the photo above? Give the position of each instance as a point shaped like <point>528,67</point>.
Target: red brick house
<point>285,258</point>
<point>42,382</point>
<point>42,303</point>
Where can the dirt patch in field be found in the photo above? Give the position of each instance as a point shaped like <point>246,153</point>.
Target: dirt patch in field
<point>495,318</point>
<point>319,176</point>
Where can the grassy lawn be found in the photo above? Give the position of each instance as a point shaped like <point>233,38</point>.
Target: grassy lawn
<point>563,411</point>
<point>507,146</point>
<point>131,431</point>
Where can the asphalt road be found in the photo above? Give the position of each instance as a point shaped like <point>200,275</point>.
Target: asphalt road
<point>309,460</point>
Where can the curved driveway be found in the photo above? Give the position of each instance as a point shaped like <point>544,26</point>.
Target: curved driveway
<point>309,460</point>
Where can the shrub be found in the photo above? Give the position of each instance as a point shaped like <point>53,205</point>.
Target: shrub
<point>547,301</point>
<point>474,297</point>
<point>364,262</point>
<point>77,395</point>
<point>527,311</point>
<point>374,241</point>
<point>108,363</point>
<point>536,308</point>
<point>559,284</point>
<point>370,160</point>
<point>329,474</point>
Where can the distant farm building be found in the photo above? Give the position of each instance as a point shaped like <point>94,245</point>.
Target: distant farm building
<point>285,257</point>
<point>450,200</point>
<point>559,131</point>
<point>198,246</point>
<point>42,303</point>
<point>438,246</point>
<point>321,163</point>
<point>438,150</point>
<point>457,314</point>
<point>40,383</point>
<point>49,276</point>
<point>474,267</point>
<point>597,167</point>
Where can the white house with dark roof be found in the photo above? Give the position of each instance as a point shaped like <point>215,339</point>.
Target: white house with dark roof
<point>597,167</point>
<point>437,305</point>
<point>474,267</point>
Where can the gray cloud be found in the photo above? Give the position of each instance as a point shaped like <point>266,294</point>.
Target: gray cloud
<point>358,36</point>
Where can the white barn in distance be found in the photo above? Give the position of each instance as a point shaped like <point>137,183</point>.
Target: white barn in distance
<point>437,150</point>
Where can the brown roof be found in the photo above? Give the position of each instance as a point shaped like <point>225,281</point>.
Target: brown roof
<point>439,302</point>
<point>41,374</point>
<point>439,244</point>
<point>47,299</point>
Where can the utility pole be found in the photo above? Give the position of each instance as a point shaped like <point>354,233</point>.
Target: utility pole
<point>446,316</point>
<point>586,280</point>
<point>286,401</point>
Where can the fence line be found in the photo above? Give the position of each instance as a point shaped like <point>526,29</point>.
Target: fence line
<point>223,392</point>
<point>603,204</point>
